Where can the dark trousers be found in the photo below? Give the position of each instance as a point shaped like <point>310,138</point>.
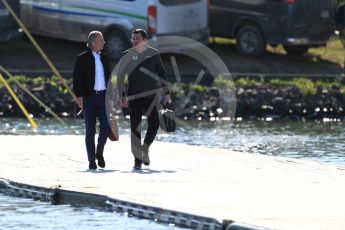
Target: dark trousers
<point>94,107</point>
<point>137,107</point>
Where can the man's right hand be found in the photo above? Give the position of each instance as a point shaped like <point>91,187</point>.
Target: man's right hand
<point>124,102</point>
<point>80,102</point>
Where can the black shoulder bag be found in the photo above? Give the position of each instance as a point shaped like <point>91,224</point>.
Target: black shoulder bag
<point>167,120</point>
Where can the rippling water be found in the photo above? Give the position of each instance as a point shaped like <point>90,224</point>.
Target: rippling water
<point>318,141</point>
<point>19,213</point>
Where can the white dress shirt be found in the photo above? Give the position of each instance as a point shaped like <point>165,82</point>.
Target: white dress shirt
<point>99,72</point>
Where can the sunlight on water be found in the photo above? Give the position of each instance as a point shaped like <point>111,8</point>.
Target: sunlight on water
<point>318,141</point>
<point>19,213</point>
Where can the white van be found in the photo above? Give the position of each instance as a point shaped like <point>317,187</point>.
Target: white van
<point>8,26</point>
<point>74,19</point>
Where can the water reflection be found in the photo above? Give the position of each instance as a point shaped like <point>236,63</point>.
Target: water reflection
<point>19,213</point>
<point>320,141</point>
<point>323,142</point>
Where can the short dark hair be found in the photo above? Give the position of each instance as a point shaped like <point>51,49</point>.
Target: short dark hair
<point>142,32</point>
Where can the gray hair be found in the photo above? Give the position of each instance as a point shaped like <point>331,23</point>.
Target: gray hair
<point>93,35</point>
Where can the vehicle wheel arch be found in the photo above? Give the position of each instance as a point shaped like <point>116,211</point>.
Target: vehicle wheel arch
<point>119,28</point>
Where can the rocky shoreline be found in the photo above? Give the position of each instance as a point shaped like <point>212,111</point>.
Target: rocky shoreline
<point>253,102</point>
<point>290,103</point>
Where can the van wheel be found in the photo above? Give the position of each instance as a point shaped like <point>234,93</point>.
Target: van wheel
<point>250,41</point>
<point>115,44</point>
<point>296,50</point>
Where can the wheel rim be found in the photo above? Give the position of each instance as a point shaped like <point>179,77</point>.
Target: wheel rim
<point>249,42</point>
<point>115,47</point>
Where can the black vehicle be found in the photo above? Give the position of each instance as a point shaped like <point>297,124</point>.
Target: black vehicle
<point>296,24</point>
<point>8,26</point>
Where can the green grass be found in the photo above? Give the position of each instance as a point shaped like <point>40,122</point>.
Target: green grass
<point>334,51</point>
<point>244,81</point>
<point>20,78</point>
<point>38,81</point>
<point>307,86</point>
<point>221,81</point>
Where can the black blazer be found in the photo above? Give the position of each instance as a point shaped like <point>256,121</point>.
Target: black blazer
<point>84,73</point>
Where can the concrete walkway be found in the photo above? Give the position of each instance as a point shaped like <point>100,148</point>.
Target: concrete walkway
<point>272,192</point>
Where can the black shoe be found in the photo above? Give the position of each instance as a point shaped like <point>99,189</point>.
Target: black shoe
<point>92,165</point>
<point>100,161</point>
<point>137,167</point>
<point>137,164</point>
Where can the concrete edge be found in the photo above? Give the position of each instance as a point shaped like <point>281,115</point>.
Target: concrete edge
<point>57,196</point>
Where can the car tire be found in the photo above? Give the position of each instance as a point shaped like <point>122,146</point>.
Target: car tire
<point>115,44</point>
<point>250,41</point>
<point>296,50</point>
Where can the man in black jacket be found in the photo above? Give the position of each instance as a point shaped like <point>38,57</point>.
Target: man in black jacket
<point>146,82</point>
<point>90,77</point>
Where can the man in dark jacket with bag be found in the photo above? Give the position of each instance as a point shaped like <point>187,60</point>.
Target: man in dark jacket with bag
<point>90,77</point>
<point>146,83</point>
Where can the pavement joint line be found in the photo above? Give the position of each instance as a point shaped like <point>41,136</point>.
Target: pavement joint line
<point>56,196</point>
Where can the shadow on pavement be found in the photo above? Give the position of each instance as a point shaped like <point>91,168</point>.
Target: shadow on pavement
<point>99,170</point>
<point>148,171</point>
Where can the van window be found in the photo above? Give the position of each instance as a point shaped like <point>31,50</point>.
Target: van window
<point>177,2</point>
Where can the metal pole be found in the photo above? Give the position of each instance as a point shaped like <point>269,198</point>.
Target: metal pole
<point>47,109</point>
<point>21,106</point>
